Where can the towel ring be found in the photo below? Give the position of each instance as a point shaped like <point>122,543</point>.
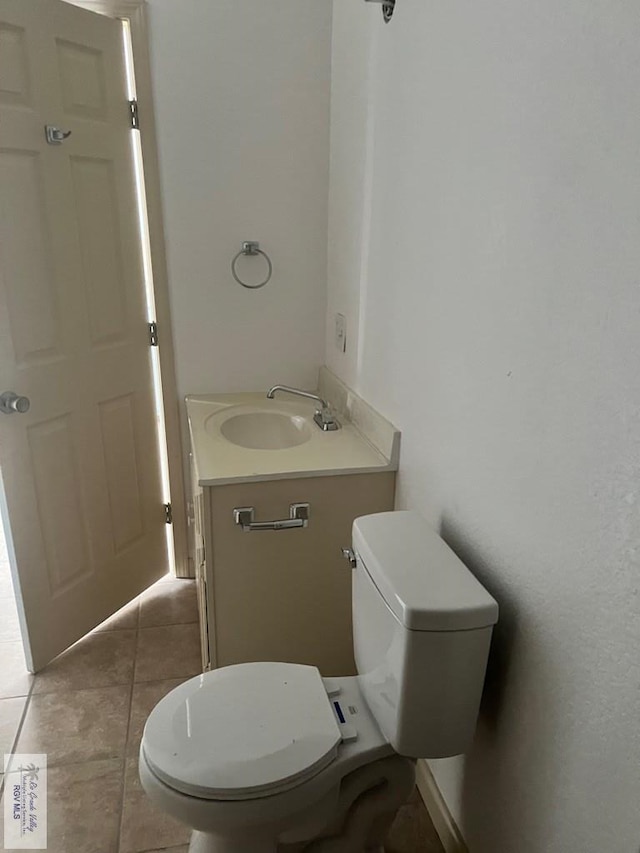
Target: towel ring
<point>251,248</point>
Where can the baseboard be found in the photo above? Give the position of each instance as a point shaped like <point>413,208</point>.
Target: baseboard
<point>444,824</point>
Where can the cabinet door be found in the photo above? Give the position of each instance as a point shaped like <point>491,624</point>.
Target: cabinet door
<point>286,595</point>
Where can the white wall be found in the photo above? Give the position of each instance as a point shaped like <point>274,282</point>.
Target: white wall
<point>489,251</point>
<point>242,97</point>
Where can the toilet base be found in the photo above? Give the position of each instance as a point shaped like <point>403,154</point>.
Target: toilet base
<point>368,802</point>
<point>367,806</point>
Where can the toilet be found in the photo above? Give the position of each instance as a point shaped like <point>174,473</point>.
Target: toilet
<point>269,756</point>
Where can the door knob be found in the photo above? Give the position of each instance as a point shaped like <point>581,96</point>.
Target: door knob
<point>11,402</point>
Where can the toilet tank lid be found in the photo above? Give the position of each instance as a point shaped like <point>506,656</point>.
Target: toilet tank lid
<point>425,584</point>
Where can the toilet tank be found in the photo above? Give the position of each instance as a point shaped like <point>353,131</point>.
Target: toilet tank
<point>422,627</point>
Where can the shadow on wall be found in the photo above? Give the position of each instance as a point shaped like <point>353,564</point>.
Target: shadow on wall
<point>509,773</point>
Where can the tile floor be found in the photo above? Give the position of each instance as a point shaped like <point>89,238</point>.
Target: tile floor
<point>87,709</point>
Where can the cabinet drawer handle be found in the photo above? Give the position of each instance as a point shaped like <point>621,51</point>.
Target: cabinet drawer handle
<point>298,517</point>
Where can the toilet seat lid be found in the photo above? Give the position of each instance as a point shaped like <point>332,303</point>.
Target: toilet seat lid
<point>242,731</point>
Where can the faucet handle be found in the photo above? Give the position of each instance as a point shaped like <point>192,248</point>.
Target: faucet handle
<point>325,420</point>
<point>323,417</point>
<point>349,555</point>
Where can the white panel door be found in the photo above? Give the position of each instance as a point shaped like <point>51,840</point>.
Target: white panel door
<point>80,469</point>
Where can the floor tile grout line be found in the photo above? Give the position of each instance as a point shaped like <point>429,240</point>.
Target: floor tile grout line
<point>126,740</point>
<point>161,625</point>
<point>164,849</point>
<point>168,625</point>
<point>95,633</point>
<point>181,678</point>
<point>16,737</point>
<point>67,690</point>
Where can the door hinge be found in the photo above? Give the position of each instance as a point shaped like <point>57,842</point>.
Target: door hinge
<point>168,514</point>
<point>134,116</point>
<point>153,334</point>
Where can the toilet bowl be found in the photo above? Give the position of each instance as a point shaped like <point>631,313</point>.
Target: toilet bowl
<point>262,757</point>
<point>258,753</point>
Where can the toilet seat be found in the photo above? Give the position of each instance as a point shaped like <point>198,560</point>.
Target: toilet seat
<point>242,732</point>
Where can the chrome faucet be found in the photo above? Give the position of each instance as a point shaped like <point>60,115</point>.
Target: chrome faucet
<point>323,417</point>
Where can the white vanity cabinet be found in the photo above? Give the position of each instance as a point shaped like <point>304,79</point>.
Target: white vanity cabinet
<point>282,594</point>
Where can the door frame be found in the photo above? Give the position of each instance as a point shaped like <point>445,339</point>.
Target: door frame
<point>135,12</point>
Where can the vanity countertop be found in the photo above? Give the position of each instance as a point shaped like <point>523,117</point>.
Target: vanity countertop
<point>219,461</point>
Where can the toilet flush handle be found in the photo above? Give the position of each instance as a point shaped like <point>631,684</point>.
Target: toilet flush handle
<point>349,555</point>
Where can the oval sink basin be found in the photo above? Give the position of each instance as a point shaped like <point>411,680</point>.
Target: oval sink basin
<point>266,430</point>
